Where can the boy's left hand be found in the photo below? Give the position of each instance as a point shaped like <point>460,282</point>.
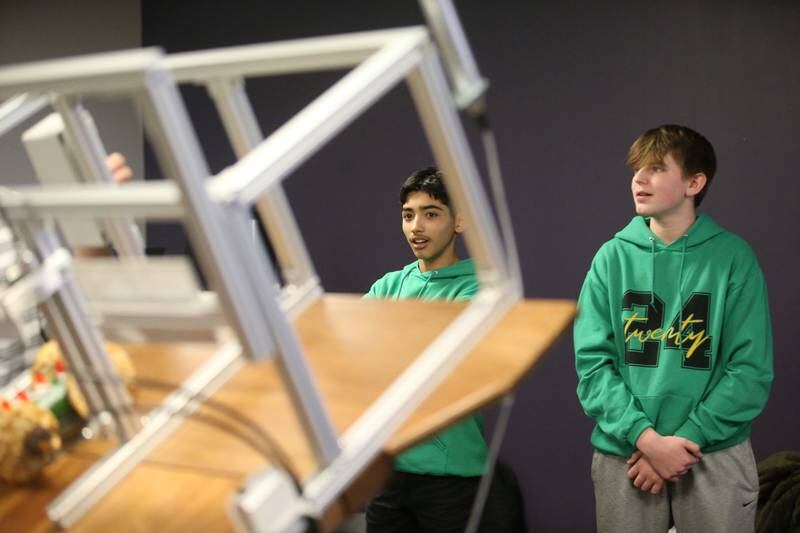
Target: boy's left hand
<point>670,455</point>
<point>643,474</point>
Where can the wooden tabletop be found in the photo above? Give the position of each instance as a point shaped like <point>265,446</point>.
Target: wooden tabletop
<point>355,348</point>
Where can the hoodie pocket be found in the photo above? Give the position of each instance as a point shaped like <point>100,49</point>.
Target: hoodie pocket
<point>667,412</point>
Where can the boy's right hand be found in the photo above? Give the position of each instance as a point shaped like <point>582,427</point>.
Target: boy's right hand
<point>643,475</point>
<point>670,456</point>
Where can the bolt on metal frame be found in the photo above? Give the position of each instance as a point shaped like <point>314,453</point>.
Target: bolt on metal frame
<point>216,212</point>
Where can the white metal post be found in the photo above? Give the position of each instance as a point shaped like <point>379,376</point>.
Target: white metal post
<point>91,158</point>
<point>467,83</point>
<point>289,358</point>
<point>239,271</point>
<point>437,111</point>
<point>81,342</point>
<point>19,108</point>
<point>244,133</point>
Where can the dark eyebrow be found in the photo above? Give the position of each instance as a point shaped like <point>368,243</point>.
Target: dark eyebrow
<point>424,208</point>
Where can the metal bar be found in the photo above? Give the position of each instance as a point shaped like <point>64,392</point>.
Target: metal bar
<point>91,74</point>
<point>154,200</point>
<point>177,148</point>
<point>80,340</point>
<point>19,108</point>
<point>496,443</point>
<point>124,71</point>
<point>244,133</point>
<point>442,126</point>
<point>233,265</point>
<point>59,329</point>
<point>200,313</point>
<point>298,139</point>
<point>88,150</point>
<point>237,115</point>
<point>283,57</point>
<point>468,85</point>
<point>101,477</point>
<point>289,357</point>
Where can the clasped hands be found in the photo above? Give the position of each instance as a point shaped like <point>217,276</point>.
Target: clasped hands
<point>659,459</point>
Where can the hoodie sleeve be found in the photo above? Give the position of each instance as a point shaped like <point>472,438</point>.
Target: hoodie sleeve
<point>375,291</point>
<point>602,392</point>
<point>746,346</point>
<point>378,289</point>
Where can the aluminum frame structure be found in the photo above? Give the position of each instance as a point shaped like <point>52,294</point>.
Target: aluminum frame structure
<point>215,211</point>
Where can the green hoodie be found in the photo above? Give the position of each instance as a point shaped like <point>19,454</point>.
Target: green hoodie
<point>676,338</point>
<point>460,449</point>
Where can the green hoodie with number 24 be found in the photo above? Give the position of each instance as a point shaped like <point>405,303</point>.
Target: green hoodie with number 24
<point>675,337</point>
<point>459,450</point>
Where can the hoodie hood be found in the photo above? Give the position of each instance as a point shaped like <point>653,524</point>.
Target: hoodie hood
<point>638,232</point>
<point>462,268</point>
<point>454,282</point>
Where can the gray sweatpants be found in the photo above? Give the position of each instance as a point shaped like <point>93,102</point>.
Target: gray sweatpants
<point>718,495</point>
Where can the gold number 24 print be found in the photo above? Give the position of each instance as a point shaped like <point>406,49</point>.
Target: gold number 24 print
<point>643,327</point>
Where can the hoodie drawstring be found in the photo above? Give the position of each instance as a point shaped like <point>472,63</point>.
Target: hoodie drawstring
<point>402,282</point>
<point>680,291</point>
<point>652,271</point>
<point>424,285</point>
<point>680,281</point>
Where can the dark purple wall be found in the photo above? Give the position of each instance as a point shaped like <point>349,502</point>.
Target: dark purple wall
<point>573,83</point>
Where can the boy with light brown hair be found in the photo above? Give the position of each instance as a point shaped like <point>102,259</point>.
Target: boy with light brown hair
<point>673,349</point>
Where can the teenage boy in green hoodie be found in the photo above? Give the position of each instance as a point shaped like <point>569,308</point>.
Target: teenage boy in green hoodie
<point>434,483</point>
<point>673,350</point>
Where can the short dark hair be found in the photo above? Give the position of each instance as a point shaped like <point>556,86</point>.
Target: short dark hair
<point>691,150</point>
<point>428,180</point>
